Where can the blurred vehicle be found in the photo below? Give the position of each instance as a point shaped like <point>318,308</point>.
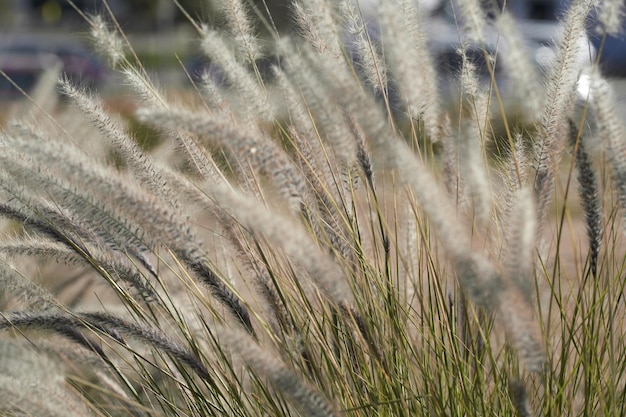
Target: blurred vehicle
<point>612,60</point>
<point>26,58</point>
<point>23,70</point>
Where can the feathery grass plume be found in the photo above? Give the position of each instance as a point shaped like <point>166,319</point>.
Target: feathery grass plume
<point>452,179</point>
<point>29,293</point>
<point>317,24</point>
<point>330,226</point>
<point>370,61</point>
<point>127,209</point>
<point>303,130</point>
<point>283,231</point>
<point>411,63</point>
<point>199,158</point>
<point>110,326</point>
<point>20,174</point>
<point>474,135</point>
<point>262,153</point>
<point>363,156</point>
<point>560,91</point>
<point>151,336</point>
<point>473,17</point>
<point>588,190</point>
<point>519,397</point>
<point>242,28</point>
<point>210,90</point>
<point>477,275</point>
<point>610,15</point>
<point>303,396</point>
<point>611,132</point>
<point>106,41</point>
<point>515,59</point>
<point>114,266</point>
<point>262,275</point>
<point>514,176</point>
<point>34,383</point>
<point>518,317</point>
<point>520,238</point>
<point>254,99</point>
<point>307,73</point>
<point>140,164</point>
<point>79,246</point>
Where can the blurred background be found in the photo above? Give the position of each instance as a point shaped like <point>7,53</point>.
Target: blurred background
<point>35,34</point>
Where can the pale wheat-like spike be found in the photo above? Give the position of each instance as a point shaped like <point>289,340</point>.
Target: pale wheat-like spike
<point>303,130</point>
<point>315,21</point>
<point>106,41</point>
<point>143,87</point>
<point>363,156</point>
<point>474,20</point>
<point>287,234</point>
<point>566,68</point>
<point>371,62</point>
<point>516,62</point>
<point>518,317</point>
<point>41,248</point>
<point>513,175</point>
<point>414,73</point>
<point>200,159</point>
<point>261,274</point>
<point>515,299</point>
<point>210,90</point>
<point>28,293</point>
<point>475,95</point>
<point>242,28</point>
<point>560,92</point>
<point>33,382</point>
<point>474,135</point>
<point>113,324</point>
<point>255,101</point>
<point>140,163</point>
<point>588,190</point>
<point>452,178</point>
<point>110,325</point>
<point>429,94</point>
<point>141,213</point>
<point>474,170</point>
<point>476,274</point>
<point>610,15</point>
<point>307,73</point>
<point>262,154</point>
<point>304,397</point>
<point>519,398</point>
<point>113,229</point>
<point>81,244</point>
<point>520,243</point>
<point>327,224</point>
<point>611,133</point>
<point>115,265</point>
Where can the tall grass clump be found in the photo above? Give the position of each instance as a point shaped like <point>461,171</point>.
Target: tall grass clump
<point>326,237</point>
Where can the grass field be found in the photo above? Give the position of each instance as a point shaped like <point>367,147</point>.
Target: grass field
<point>331,238</point>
